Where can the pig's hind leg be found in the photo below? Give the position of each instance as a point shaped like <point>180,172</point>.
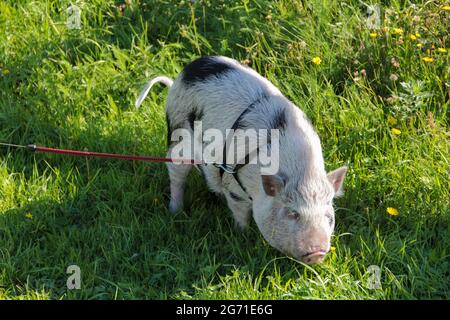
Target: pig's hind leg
<point>177,175</point>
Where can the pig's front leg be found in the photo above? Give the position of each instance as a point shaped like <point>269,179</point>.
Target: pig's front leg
<point>240,207</point>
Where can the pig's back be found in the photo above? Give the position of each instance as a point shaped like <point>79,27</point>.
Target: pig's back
<point>216,90</point>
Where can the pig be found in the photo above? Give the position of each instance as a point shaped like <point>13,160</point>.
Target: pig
<point>293,209</point>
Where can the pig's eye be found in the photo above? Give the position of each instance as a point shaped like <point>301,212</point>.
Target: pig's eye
<point>293,215</point>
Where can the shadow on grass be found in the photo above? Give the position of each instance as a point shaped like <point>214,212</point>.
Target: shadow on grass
<point>126,245</point>
<point>107,217</point>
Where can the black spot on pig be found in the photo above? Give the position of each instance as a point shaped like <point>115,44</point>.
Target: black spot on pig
<point>196,115</point>
<point>171,127</point>
<point>203,68</point>
<point>279,120</point>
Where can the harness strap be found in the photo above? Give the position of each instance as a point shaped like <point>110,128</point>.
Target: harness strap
<point>236,169</point>
<point>236,175</point>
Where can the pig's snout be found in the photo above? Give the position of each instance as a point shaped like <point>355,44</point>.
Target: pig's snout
<point>314,257</point>
<point>315,244</point>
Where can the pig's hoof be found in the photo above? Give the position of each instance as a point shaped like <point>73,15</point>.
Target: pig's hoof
<point>175,207</point>
<point>242,224</point>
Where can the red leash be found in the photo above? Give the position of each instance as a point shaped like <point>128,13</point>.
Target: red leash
<point>89,154</point>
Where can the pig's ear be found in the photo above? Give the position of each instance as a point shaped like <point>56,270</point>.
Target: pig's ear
<point>272,184</point>
<point>336,178</point>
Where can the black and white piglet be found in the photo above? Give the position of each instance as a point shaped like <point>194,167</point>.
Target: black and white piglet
<point>293,208</point>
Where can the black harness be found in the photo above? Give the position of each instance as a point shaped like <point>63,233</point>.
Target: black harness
<point>224,167</point>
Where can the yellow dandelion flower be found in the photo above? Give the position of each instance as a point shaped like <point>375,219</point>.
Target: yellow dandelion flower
<point>392,211</point>
<point>395,131</point>
<point>29,216</point>
<point>397,31</point>
<point>391,120</point>
<point>419,45</point>
<point>441,50</point>
<point>446,8</point>
<point>417,35</point>
<point>332,249</point>
<point>5,72</point>
<point>373,34</point>
<point>412,37</point>
<point>427,59</point>
<point>316,61</point>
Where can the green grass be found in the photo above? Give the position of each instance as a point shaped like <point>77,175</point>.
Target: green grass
<point>76,89</point>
